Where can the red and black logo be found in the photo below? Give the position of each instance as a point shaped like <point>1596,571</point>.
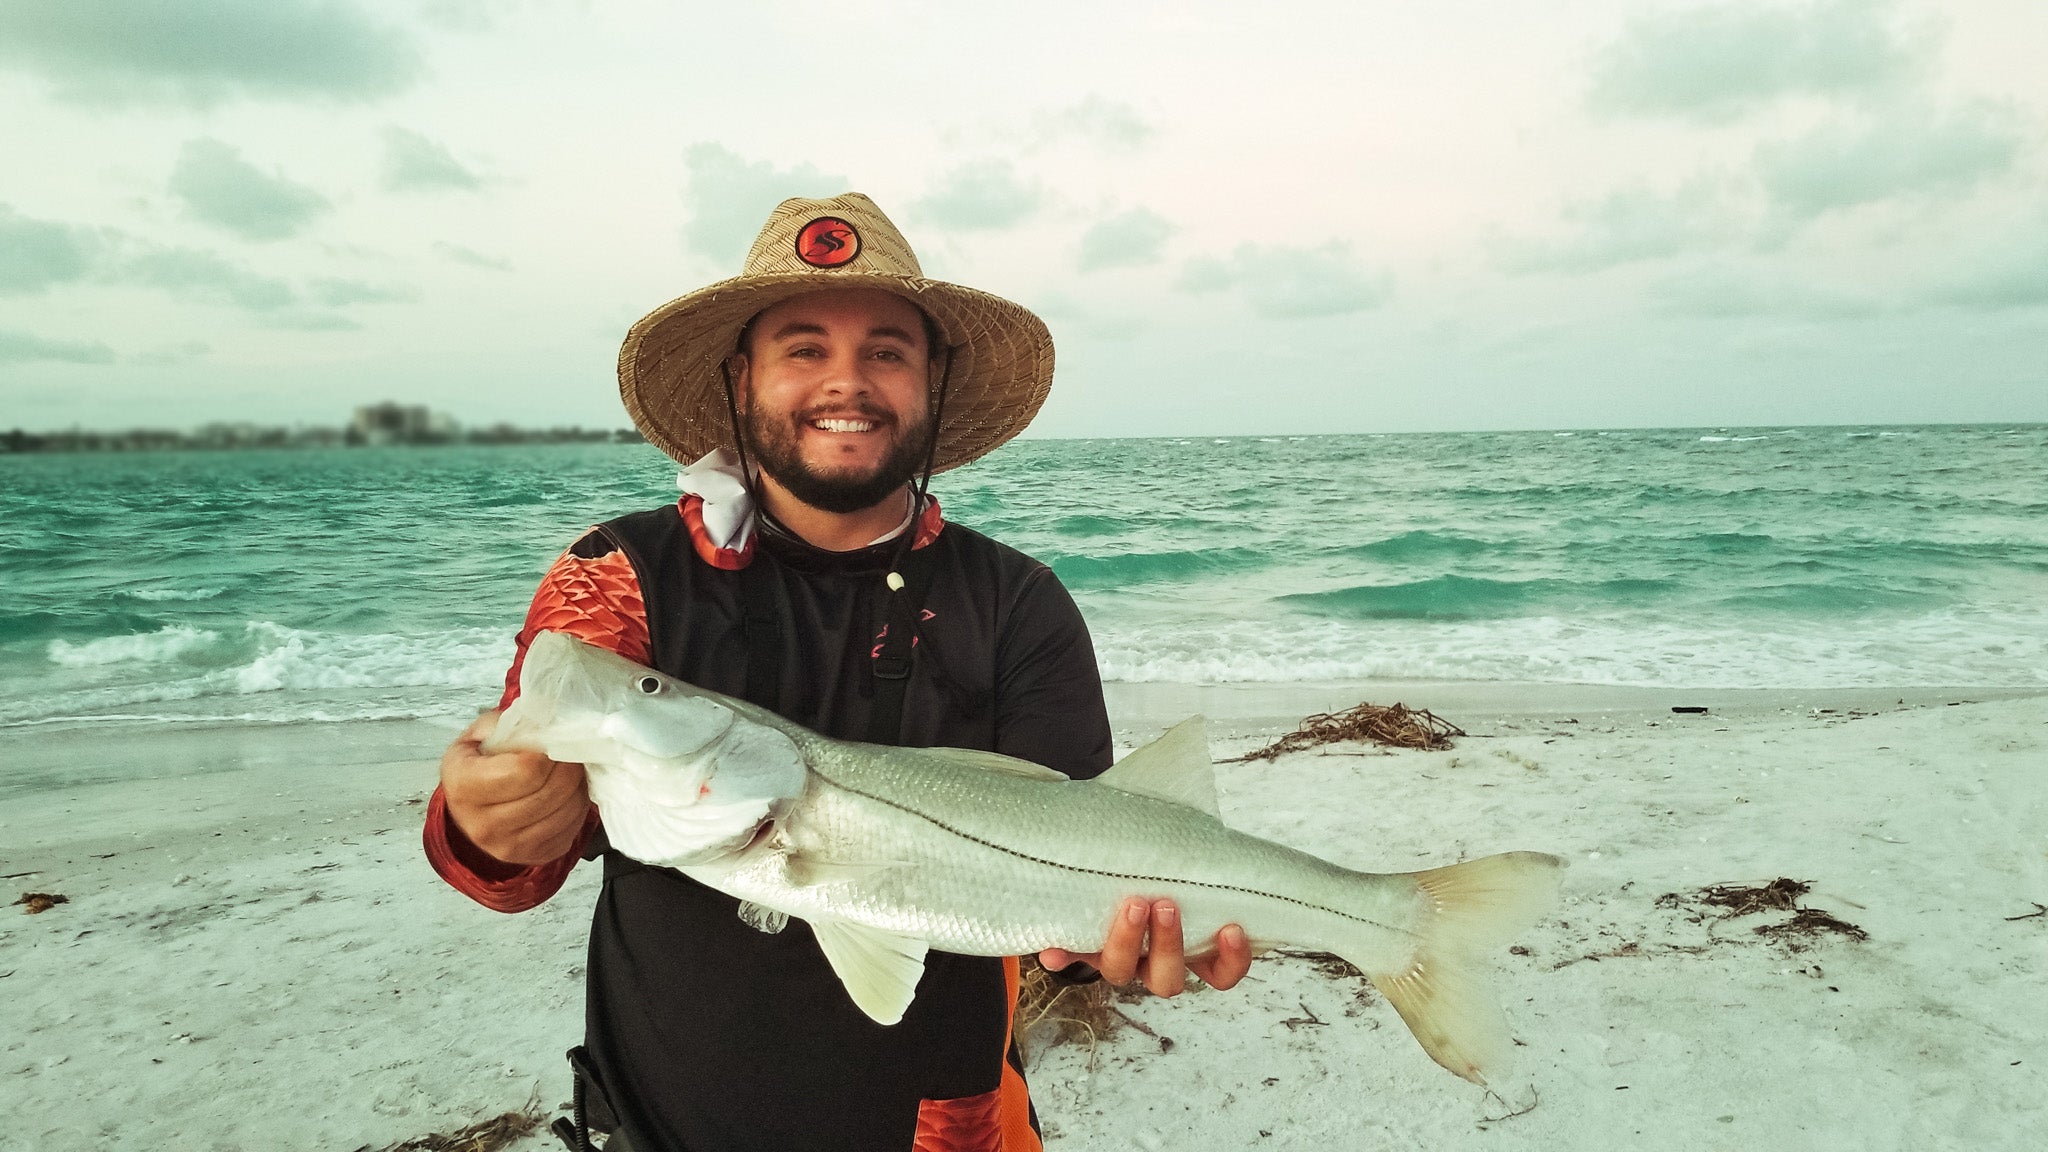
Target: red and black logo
<point>827,242</point>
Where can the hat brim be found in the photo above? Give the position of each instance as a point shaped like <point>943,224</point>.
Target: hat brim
<point>670,382</point>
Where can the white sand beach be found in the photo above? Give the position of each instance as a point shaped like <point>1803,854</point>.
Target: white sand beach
<point>254,954</point>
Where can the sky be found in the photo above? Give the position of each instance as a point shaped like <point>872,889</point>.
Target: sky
<point>1362,216</point>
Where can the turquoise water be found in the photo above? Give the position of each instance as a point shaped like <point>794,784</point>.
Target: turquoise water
<point>387,582</point>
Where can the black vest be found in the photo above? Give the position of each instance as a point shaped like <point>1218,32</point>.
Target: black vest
<point>712,1036</point>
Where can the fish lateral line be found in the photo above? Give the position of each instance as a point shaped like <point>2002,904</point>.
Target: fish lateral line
<point>1009,851</point>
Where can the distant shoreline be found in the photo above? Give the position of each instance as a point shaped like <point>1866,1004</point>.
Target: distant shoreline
<point>18,442</point>
<point>415,429</point>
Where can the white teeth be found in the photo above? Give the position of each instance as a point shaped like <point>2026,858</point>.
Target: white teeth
<point>843,425</point>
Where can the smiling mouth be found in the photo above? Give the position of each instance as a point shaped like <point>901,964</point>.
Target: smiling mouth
<point>837,425</point>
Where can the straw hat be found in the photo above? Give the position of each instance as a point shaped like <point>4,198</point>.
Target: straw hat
<point>669,367</point>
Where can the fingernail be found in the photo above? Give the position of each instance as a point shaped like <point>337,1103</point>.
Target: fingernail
<point>1134,912</point>
<point>1167,915</point>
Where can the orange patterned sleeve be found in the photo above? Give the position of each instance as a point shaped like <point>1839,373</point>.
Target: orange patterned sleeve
<point>597,600</point>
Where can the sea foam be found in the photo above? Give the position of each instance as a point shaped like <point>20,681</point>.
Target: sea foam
<point>170,642</point>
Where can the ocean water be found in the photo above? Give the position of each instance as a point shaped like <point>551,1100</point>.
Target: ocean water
<point>346,584</point>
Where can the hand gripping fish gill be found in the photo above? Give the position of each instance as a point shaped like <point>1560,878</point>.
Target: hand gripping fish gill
<point>887,852</point>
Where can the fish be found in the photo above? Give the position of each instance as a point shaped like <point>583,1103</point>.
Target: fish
<point>890,852</point>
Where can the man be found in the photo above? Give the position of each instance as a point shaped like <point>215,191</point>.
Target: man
<point>806,571</point>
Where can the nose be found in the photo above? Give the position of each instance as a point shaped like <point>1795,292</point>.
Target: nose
<point>842,376</point>
<point>846,375</point>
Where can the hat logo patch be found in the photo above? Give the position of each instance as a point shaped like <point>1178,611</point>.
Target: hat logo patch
<point>827,242</point>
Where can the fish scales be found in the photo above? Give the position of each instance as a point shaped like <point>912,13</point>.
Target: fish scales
<point>988,864</point>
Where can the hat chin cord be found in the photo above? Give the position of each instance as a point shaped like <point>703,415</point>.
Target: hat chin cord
<point>923,487</point>
<point>739,438</point>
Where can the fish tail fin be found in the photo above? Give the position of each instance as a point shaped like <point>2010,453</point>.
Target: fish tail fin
<point>1444,994</point>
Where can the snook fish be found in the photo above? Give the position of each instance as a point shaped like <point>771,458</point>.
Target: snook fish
<point>888,852</point>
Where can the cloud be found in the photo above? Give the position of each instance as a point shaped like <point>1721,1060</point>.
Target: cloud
<point>1067,316</point>
<point>310,322</point>
<point>203,51</point>
<point>460,15</point>
<point>224,190</point>
<point>2015,275</point>
<point>1291,283</point>
<point>1904,152</point>
<point>339,293</point>
<point>191,274</point>
<point>980,195</point>
<point>171,355</point>
<point>1104,122</point>
<point>1716,61</point>
<point>22,348</point>
<point>413,163</point>
<point>472,257</point>
<point>34,254</point>
<point>730,198</point>
<point>1722,291</point>
<point>1127,239</point>
<point>1623,227</point>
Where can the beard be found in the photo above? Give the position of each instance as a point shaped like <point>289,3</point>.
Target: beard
<point>774,445</point>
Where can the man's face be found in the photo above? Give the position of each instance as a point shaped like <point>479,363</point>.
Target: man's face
<point>832,394</point>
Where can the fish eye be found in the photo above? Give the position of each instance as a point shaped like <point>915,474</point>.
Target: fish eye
<point>650,685</point>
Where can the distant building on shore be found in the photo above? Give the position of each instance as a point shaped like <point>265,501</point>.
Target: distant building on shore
<point>389,424</point>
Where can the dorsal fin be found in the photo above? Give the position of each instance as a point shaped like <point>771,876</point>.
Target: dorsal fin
<point>1176,767</point>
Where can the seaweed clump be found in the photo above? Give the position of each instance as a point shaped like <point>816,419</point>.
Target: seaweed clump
<point>1064,1011</point>
<point>1394,725</point>
<point>1780,895</point>
<point>482,1136</point>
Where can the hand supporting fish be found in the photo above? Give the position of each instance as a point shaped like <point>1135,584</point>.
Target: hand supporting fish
<point>888,852</point>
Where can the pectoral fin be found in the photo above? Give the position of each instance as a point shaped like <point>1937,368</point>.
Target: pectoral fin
<point>762,919</point>
<point>880,969</point>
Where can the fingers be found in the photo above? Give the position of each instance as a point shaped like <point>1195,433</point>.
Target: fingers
<point>554,825</point>
<point>1228,964</point>
<point>519,807</point>
<point>1126,943</point>
<point>1146,939</point>
<point>471,777</point>
<point>480,729</point>
<point>1166,970</point>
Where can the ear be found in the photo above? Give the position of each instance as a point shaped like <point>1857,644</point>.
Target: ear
<point>742,378</point>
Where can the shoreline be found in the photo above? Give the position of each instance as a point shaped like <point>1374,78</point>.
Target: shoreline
<point>1470,703</point>
<point>1137,705</point>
